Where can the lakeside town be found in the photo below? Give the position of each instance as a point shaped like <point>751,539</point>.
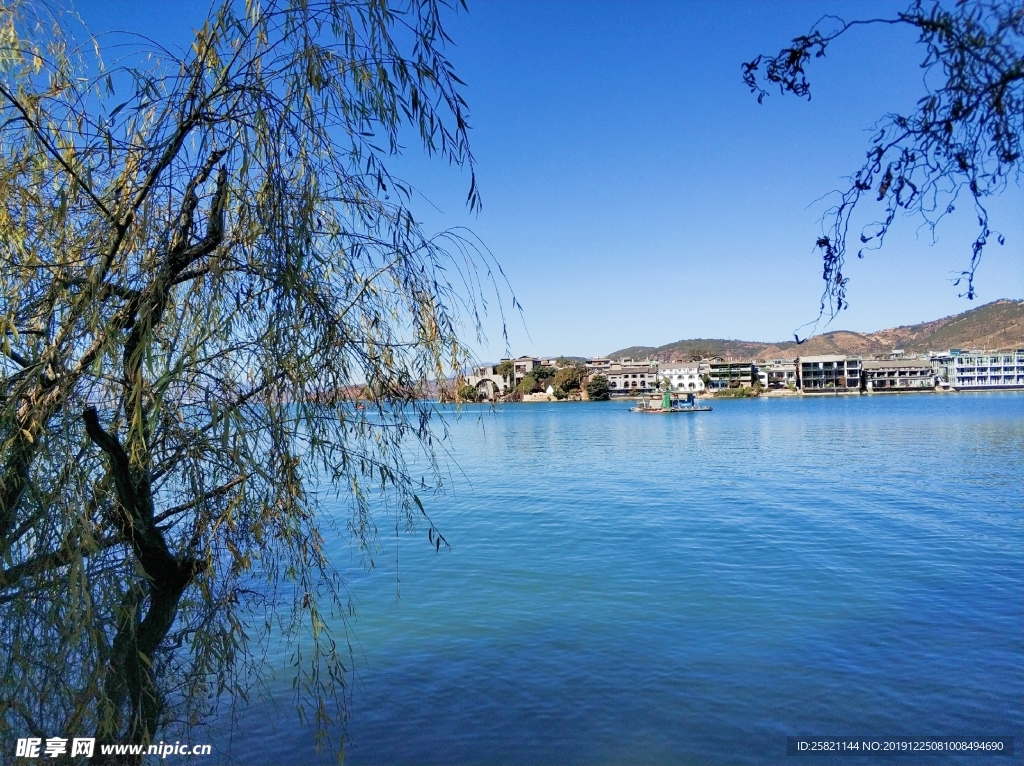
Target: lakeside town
<point>529,378</point>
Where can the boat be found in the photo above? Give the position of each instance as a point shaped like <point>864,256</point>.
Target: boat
<point>669,406</point>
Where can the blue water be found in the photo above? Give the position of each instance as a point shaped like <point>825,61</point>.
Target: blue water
<point>692,589</point>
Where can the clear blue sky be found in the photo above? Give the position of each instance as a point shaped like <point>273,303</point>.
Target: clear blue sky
<point>635,192</point>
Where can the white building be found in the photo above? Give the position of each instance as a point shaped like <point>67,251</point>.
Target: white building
<point>489,383</point>
<point>897,374</point>
<point>981,370</point>
<point>828,373</point>
<point>777,373</point>
<point>629,378</point>
<point>681,376</point>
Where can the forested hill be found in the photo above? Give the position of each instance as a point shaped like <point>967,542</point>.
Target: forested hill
<point>999,324</point>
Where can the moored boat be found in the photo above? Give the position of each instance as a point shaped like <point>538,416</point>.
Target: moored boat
<point>669,406</point>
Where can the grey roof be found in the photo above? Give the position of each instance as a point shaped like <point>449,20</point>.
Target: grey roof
<point>895,364</point>
<point>632,371</point>
<point>824,358</point>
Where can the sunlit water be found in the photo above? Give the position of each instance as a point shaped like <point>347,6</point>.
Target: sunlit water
<point>692,589</point>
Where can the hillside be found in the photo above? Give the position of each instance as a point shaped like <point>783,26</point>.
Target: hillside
<point>999,324</point>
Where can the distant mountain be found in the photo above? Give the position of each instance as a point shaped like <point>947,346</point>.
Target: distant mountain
<point>999,324</point>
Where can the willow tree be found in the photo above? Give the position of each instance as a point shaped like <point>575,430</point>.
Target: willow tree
<point>964,140</point>
<point>202,257</point>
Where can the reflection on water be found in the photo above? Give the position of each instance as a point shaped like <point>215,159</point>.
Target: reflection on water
<point>694,588</point>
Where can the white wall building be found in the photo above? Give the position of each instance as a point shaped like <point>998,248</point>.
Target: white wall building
<point>897,374</point>
<point>777,373</point>
<point>981,370</point>
<point>828,373</point>
<point>489,384</point>
<point>629,378</point>
<point>681,376</point>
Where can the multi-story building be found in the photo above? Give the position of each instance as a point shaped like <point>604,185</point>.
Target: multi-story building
<point>681,376</point>
<point>730,374</point>
<point>980,370</point>
<point>490,384</point>
<point>522,366</point>
<point>897,375</point>
<point>828,373</point>
<point>942,364</point>
<point>629,378</point>
<point>777,373</point>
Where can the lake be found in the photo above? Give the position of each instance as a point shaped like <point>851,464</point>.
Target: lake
<point>692,589</point>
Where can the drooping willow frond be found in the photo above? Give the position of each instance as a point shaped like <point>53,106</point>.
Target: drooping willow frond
<point>204,261</point>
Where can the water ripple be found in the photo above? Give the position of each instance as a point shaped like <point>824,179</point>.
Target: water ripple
<point>693,589</point>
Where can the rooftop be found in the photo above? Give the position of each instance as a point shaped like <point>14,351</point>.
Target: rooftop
<point>895,364</point>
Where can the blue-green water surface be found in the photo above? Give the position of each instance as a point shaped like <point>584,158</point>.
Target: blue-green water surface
<point>692,589</point>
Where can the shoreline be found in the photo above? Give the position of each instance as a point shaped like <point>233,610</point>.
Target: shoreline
<point>541,398</point>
